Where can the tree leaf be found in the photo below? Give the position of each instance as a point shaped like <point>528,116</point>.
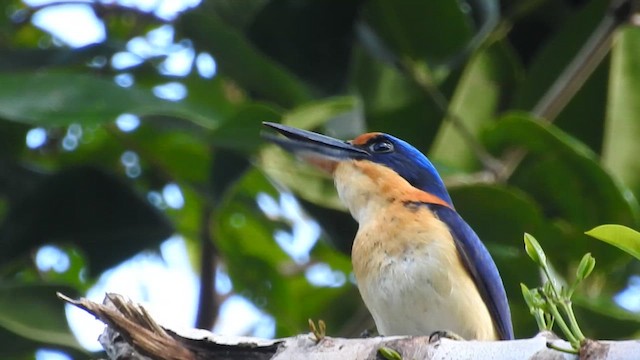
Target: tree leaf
<point>242,131</point>
<point>240,60</point>
<point>63,98</point>
<point>273,281</point>
<point>34,312</point>
<point>573,190</point>
<point>414,29</point>
<point>573,28</point>
<point>622,129</point>
<point>288,32</point>
<point>394,104</point>
<point>88,208</point>
<point>568,178</point>
<point>476,100</point>
<point>622,237</point>
<point>304,180</point>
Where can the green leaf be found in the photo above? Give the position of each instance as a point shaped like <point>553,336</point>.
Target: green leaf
<point>557,51</point>
<point>622,237</point>
<point>585,267</point>
<point>34,312</point>
<point>622,130</point>
<point>394,104</point>
<point>242,131</point>
<point>88,208</point>
<point>414,29</point>
<point>563,174</point>
<point>288,32</point>
<point>534,250</point>
<point>63,98</point>
<point>314,114</point>
<point>476,100</point>
<point>240,60</point>
<point>572,29</point>
<point>304,180</point>
<point>273,281</point>
<point>389,353</point>
<point>573,190</point>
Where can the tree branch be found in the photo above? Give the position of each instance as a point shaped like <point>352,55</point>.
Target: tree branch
<point>132,334</point>
<point>208,301</point>
<point>574,75</point>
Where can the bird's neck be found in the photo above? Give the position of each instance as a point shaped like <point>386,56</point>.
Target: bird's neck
<point>368,189</point>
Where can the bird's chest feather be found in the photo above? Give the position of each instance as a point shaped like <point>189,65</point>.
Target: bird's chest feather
<point>405,259</point>
<point>412,280</point>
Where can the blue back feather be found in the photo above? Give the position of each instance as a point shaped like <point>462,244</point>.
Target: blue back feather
<point>480,265</point>
<point>414,167</point>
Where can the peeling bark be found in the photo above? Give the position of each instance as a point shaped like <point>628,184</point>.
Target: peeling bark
<point>132,334</point>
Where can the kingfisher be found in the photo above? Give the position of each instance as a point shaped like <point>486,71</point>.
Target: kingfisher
<point>419,267</point>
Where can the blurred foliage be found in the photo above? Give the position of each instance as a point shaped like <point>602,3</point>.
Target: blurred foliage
<point>457,79</point>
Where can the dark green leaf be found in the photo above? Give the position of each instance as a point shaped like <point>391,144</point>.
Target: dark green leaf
<point>59,98</point>
<point>34,312</point>
<point>92,210</point>
<point>273,281</point>
<point>394,104</point>
<point>415,29</point>
<point>242,131</point>
<point>573,190</point>
<point>240,60</point>
<point>292,31</point>
<point>579,189</point>
<point>476,101</point>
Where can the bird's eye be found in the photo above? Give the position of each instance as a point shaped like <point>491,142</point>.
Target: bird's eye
<point>383,146</point>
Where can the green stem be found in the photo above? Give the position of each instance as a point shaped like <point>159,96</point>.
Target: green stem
<point>539,316</point>
<point>563,325</point>
<point>570,351</point>
<point>573,322</point>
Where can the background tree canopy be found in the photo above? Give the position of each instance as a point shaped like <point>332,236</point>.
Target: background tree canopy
<point>470,83</point>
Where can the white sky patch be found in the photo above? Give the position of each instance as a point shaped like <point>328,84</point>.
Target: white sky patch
<point>206,65</point>
<point>305,232</point>
<point>73,24</point>
<point>178,63</point>
<point>165,286</point>
<point>172,196</point>
<point>321,274</point>
<point>239,316</point>
<point>629,298</point>
<point>125,80</point>
<point>51,257</point>
<point>172,91</point>
<point>161,37</point>
<point>47,354</point>
<point>127,122</point>
<point>36,137</point>
<point>124,60</point>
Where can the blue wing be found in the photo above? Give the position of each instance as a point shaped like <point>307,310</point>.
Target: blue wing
<point>480,265</point>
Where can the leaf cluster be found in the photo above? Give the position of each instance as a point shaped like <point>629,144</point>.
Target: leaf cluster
<point>462,81</point>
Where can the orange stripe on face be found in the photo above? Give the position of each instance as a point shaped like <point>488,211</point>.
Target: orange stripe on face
<point>365,138</point>
<point>394,186</point>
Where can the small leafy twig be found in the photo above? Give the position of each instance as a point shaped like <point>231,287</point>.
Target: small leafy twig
<point>320,331</point>
<point>389,353</point>
<point>551,303</point>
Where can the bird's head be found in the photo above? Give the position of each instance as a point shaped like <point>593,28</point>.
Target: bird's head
<point>371,150</point>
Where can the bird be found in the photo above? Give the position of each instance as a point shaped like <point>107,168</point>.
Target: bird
<point>419,267</point>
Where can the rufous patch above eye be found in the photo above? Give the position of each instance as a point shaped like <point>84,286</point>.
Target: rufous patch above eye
<point>365,138</point>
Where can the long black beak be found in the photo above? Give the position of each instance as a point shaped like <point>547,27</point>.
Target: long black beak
<point>304,142</point>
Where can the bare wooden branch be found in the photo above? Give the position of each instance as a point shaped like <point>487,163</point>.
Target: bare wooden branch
<point>132,334</point>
